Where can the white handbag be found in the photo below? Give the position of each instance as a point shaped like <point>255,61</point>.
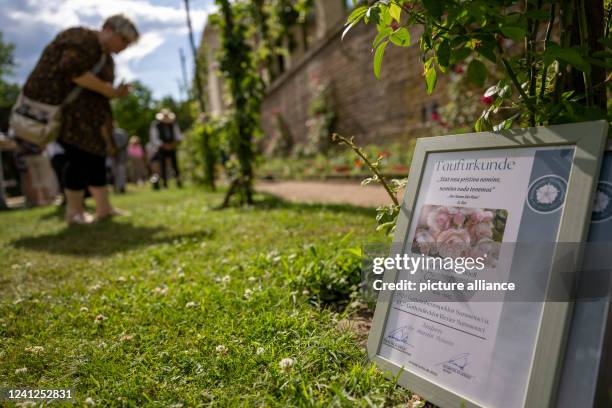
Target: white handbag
<point>39,123</point>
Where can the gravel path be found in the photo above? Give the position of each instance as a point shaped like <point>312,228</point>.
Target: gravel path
<point>333,192</point>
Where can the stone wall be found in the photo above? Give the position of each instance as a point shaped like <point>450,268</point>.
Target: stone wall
<point>396,107</point>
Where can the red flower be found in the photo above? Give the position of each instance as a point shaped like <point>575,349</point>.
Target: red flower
<point>358,163</point>
<point>435,116</point>
<point>458,69</point>
<point>394,25</point>
<point>384,154</point>
<point>487,100</point>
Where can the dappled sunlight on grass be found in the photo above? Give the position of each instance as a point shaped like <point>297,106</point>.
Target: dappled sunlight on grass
<point>182,303</point>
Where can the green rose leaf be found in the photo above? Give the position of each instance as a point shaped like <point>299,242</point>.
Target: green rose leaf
<point>434,7</point>
<point>569,55</point>
<point>443,53</point>
<point>431,77</point>
<point>357,14</point>
<point>477,72</point>
<point>378,57</point>
<point>401,37</point>
<point>395,11</point>
<point>516,33</point>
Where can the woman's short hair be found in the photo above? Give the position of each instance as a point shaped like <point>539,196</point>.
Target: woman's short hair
<point>122,26</point>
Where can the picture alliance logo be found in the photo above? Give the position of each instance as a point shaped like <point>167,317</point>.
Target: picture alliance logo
<point>547,194</point>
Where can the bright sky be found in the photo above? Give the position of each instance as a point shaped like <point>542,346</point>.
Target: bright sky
<point>154,59</point>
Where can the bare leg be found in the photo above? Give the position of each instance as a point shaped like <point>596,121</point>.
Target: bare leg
<point>103,205</point>
<point>75,213</point>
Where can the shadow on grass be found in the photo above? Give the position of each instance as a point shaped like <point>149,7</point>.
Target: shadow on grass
<point>266,201</point>
<point>103,239</point>
<point>109,237</point>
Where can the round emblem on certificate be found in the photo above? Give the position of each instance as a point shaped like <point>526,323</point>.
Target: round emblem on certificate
<point>547,194</point>
<point>602,203</point>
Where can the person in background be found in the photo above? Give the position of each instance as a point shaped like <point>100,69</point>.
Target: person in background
<point>57,155</point>
<point>37,178</point>
<point>166,135</point>
<point>119,160</point>
<point>152,151</point>
<point>87,121</point>
<point>136,161</point>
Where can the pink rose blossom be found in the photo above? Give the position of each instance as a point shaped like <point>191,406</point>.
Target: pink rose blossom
<point>481,230</point>
<point>459,219</point>
<point>453,242</point>
<point>480,216</point>
<point>487,100</point>
<point>439,220</point>
<point>424,214</point>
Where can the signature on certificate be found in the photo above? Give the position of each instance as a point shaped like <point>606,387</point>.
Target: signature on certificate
<point>401,334</point>
<point>459,361</point>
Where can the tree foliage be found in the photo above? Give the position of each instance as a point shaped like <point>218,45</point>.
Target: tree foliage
<point>7,62</point>
<point>8,91</point>
<point>554,55</point>
<point>136,111</point>
<point>246,89</point>
<point>551,59</point>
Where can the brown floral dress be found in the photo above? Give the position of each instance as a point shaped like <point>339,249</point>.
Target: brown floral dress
<point>85,120</point>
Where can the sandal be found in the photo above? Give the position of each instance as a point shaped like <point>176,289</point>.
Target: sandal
<point>80,219</point>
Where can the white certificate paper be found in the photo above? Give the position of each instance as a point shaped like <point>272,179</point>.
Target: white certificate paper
<point>481,198</point>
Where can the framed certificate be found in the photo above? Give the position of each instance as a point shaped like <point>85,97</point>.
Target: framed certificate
<point>485,190</point>
<point>587,368</point>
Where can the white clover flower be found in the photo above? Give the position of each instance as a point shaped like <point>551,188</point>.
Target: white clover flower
<point>35,349</point>
<point>226,279</point>
<point>127,337</point>
<point>252,279</point>
<point>84,309</point>
<point>248,293</point>
<point>190,305</point>
<point>90,402</point>
<point>21,370</point>
<point>286,364</point>
<point>100,319</point>
<point>95,287</point>
<point>221,349</point>
<point>260,351</point>
<point>161,291</point>
<point>121,279</point>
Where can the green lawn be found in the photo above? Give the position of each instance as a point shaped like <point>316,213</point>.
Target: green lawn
<point>182,304</point>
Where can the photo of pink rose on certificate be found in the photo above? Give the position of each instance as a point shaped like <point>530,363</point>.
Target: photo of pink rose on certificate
<point>447,231</point>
